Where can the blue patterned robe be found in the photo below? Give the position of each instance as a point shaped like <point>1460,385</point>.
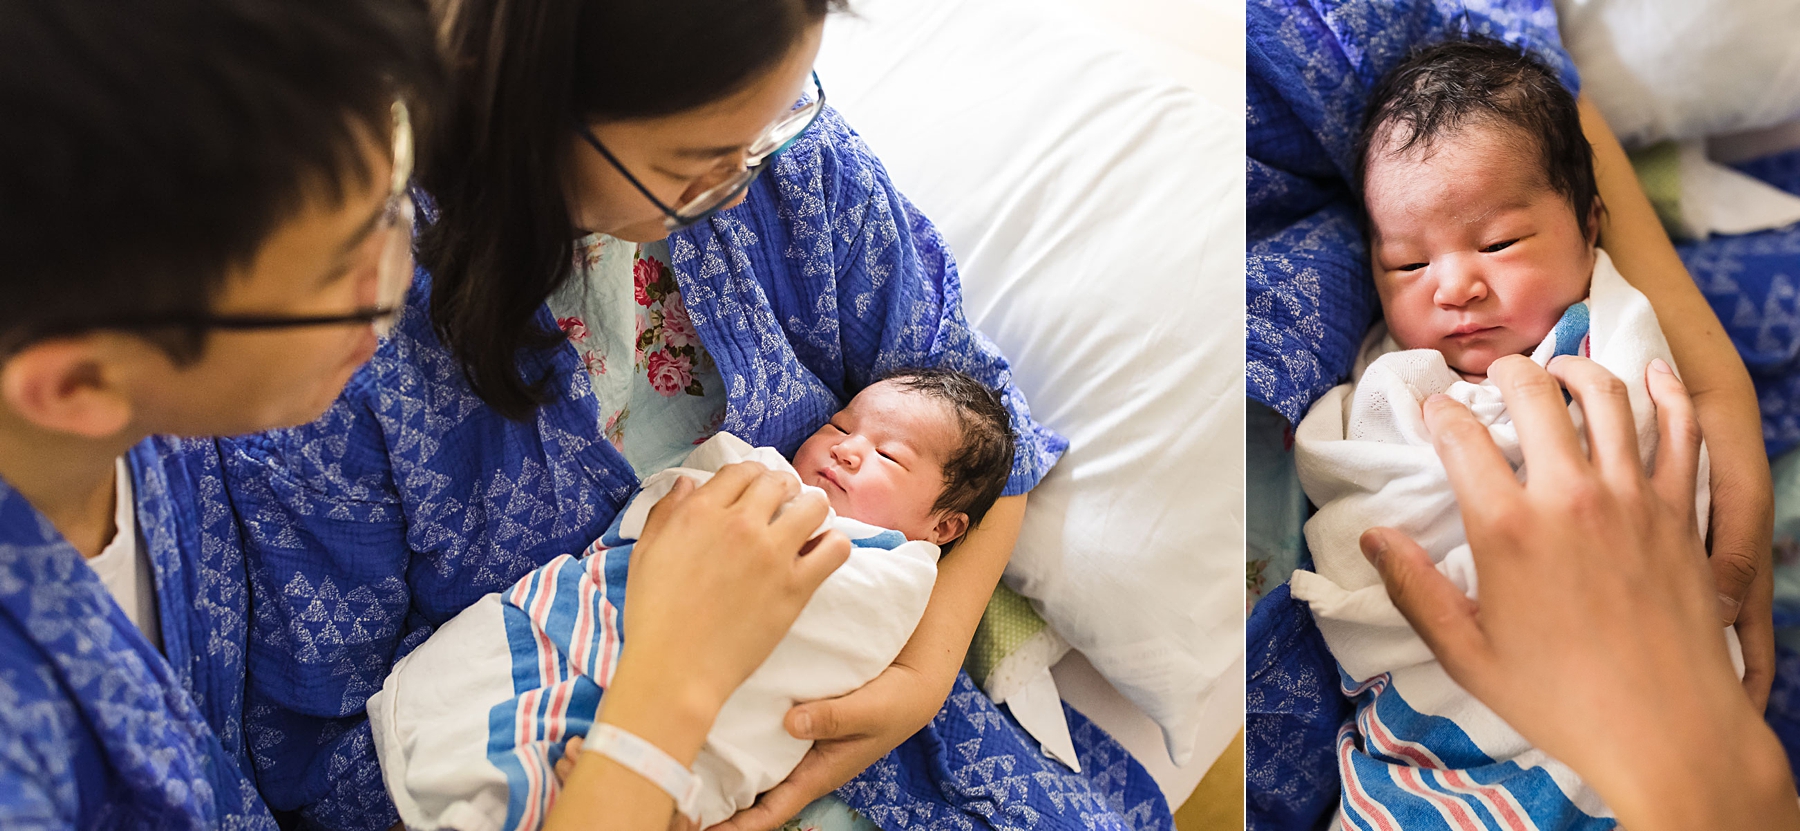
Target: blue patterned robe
<point>98,730</point>
<point>410,499</point>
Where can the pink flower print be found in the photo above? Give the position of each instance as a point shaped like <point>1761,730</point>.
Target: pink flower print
<point>670,374</point>
<point>645,274</point>
<point>574,328</point>
<point>645,336</point>
<point>678,330</point>
<point>615,429</point>
<point>594,363</point>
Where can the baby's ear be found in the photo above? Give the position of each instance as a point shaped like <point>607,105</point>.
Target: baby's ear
<point>950,527</point>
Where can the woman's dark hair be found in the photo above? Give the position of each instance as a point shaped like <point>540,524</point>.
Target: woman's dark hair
<point>521,73</point>
<point>977,472</point>
<point>151,146</point>
<point>1444,87</point>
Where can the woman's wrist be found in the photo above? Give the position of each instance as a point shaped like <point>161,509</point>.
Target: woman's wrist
<point>671,710</point>
<point>1718,771</point>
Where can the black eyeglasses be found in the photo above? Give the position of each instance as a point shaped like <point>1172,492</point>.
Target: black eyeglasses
<point>392,278</point>
<point>733,181</point>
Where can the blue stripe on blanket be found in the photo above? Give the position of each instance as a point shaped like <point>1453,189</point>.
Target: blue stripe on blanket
<point>503,718</point>
<point>1421,771</point>
<point>1571,329</point>
<point>887,540</point>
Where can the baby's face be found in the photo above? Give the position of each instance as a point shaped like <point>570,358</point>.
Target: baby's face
<point>1474,254</point>
<point>880,460</point>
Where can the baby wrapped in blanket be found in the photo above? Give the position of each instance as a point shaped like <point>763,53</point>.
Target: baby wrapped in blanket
<point>470,725</point>
<point>1482,220</point>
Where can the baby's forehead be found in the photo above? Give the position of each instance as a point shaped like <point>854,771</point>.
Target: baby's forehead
<point>1393,149</point>
<point>905,410</point>
<point>1478,167</point>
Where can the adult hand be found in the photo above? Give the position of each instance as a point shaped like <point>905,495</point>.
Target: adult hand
<point>1597,633</point>
<point>1743,516</point>
<point>716,583</point>
<point>849,733</point>
<point>716,579</point>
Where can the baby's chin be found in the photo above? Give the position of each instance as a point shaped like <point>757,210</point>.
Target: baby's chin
<point>1473,363</point>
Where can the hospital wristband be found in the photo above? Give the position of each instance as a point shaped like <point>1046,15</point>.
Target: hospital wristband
<point>649,761</point>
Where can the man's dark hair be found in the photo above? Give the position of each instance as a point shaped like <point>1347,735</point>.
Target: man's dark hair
<point>150,147</point>
<point>976,473</point>
<point>523,73</point>
<point>1445,87</point>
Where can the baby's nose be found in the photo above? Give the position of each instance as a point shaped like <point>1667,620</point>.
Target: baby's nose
<point>847,453</point>
<point>1459,281</point>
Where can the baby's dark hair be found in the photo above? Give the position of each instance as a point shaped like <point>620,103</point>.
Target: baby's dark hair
<point>1447,86</point>
<point>976,473</point>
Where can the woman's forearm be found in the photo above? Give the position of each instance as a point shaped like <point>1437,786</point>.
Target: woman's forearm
<point>1723,396</point>
<point>647,701</point>
<point>1716,771</point>
<point>966,580</point>
<point>1634,238</point>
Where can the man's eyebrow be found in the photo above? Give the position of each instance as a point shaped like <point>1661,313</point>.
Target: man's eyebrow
<point>362,232</point>
<point>340,262</point>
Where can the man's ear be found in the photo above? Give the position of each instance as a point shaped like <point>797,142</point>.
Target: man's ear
<point>66,386</point>
<point>949,528</point>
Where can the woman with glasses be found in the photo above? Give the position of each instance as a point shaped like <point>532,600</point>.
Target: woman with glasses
<point>640,224</point>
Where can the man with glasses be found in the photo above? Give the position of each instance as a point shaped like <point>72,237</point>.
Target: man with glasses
<point>203,225</point>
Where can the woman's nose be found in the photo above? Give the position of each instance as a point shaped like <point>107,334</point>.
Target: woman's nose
<point>1459,281</point>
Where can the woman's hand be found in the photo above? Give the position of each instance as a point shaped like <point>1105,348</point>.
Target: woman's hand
<point>1743,511</point>
<point>852,731</point>
<point>716,580</point>
<point>849,733</point>
<point>716,583</point>
<point>1597,633</point>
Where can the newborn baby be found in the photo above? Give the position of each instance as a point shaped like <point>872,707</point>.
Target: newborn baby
<point>470,725</point>
<point>1482,218</point>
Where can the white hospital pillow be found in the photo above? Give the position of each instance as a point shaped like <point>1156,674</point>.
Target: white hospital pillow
<point>1096,209</point>
<point>1682,69</point>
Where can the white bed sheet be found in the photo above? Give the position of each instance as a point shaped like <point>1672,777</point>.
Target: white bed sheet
<point>1107,263</point>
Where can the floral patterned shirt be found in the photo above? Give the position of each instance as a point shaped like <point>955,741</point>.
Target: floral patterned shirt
<point>659,391</point>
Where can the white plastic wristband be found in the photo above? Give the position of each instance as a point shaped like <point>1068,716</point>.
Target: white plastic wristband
<point>649,761</point>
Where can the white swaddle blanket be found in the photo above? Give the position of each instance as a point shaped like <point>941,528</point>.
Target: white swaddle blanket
<point>469,726</point>
<point>1365,458</point>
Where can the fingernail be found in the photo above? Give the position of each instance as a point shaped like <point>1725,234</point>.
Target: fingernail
<point>803,725</point>
<point>1661,366</point>
<point>1728,608</point>
<point>1374,547</point>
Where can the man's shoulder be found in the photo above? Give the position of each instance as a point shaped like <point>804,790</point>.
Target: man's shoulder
<point>43,738</point>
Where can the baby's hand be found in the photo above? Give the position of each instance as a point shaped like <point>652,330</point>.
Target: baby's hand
<point>566,766</point>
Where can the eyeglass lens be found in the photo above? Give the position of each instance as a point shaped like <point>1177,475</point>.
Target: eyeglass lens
<point>738,176</point>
